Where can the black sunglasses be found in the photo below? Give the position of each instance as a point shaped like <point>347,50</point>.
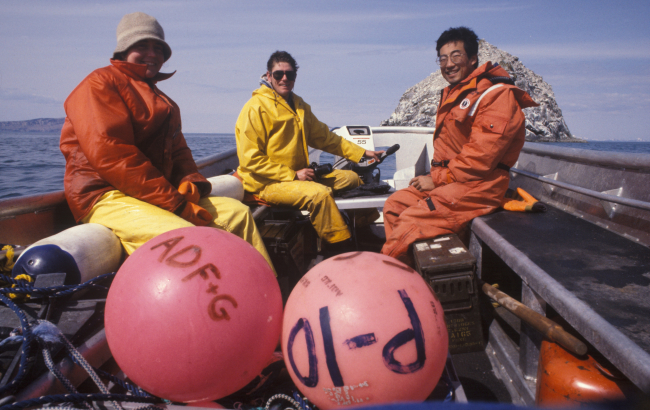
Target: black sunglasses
<point>291,75</point>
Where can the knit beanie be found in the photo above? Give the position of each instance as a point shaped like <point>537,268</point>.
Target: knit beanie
<point>139,26</point>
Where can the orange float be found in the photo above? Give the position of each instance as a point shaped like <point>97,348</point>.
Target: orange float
<point>564,380</point>
<point>363,328</point>
<point>193,315</point>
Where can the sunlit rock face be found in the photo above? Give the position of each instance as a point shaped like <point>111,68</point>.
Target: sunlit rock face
<point>419,104</point>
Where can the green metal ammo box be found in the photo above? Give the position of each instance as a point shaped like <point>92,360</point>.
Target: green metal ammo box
<point>446,264</point>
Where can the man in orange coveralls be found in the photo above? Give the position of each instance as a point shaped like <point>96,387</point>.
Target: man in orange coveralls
<point>479,133</point>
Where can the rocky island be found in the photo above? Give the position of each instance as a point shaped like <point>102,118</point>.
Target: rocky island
<point>419,104</point>
<point>37,125</point>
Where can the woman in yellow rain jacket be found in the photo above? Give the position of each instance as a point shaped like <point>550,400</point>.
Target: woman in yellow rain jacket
<point>274,130</point>
<point>128,166</point>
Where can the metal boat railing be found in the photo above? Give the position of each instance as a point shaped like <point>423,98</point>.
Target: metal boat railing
<point>606,188</point>
<point>626,160</point>
<point>594,194</point>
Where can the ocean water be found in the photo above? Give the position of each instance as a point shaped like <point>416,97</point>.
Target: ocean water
<point>31,163</point>
<point>638,147</point>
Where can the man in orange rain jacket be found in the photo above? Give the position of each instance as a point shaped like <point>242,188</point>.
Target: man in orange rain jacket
<point>479,133</point>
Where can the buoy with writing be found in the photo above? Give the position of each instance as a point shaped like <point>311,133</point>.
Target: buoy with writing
<point>193,315</point>
<point>362,328</point>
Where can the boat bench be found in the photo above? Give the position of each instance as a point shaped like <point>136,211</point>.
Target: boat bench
<point>598,281</point>
<point>376,201</point>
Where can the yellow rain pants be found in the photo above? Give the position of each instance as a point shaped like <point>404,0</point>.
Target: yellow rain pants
<point>318,199</point>
<point>135,222</point>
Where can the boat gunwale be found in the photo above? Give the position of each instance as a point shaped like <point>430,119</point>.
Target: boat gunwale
<point>214,158</point>
<point>626,355</point>
<point>402,130</point>
<point>12,207</point>
<point>633,203</point>
<point>622,160</point>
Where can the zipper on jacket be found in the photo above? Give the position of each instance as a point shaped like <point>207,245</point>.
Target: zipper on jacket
<point>157,93</point>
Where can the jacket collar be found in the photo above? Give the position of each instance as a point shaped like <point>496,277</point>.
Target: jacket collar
<point>487,70</point>
<point>470,82</point>
<point>138,71</point>
<point>265,81</point>
<point>267,91</point>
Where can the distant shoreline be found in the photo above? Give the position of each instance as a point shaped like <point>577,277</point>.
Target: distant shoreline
<point>35,125</point>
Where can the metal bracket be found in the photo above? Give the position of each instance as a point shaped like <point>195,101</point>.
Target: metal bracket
<point>548,187</point>
<point>610,207</point>
<point>514,175</point>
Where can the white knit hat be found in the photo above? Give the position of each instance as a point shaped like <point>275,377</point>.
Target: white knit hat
<point>139,26</point>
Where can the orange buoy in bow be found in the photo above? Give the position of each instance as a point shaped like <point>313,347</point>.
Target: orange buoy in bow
<point>565,380</point>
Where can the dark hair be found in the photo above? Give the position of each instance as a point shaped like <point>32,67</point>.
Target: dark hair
<point>464,34</point>
<point>281,57</point>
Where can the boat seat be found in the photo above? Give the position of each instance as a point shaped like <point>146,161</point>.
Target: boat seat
<point>261,211</point>
<point>597,280</point>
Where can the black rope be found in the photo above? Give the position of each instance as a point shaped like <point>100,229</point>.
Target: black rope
<point>26,357</point>
<point>79,398</point>
<point>304,402</point>
<point>23,287</point>
<point>135,390</point>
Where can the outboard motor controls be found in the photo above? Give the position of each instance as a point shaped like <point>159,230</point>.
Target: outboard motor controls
<point>367,166</point>
<point>362,136</point>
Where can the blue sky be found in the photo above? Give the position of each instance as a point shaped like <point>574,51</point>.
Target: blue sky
<point>356,57</point>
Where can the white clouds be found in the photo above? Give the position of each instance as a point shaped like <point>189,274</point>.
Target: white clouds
<point>403,11</point>
<point>12,94</point>
<point>609,103</point>
<point>605,79</point>
<point>16,105</point>
<point>611,50</point>
<point>357,57</point>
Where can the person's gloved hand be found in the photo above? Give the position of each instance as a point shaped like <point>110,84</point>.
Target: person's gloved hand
<point>195,214</point>
<point>190,192</point>
<point>529,203</point>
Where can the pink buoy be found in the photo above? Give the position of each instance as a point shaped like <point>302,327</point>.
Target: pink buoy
<point>363,328</point>
<point>193,315</point>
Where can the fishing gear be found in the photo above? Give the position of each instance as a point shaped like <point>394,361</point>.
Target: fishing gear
<point>39,335</point>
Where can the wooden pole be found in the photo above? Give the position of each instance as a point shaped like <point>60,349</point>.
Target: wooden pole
<point>541,323</point>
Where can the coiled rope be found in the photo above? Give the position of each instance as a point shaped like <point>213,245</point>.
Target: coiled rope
<point>50,337</point>
<point>294,403</point>
<point>53,291</point>
<point>27,359</point>
<point>303,402</point>
<point>79,398</point>
<point>22,287</point>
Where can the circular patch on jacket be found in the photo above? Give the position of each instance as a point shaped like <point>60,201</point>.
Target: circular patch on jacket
<point>464,104</point>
